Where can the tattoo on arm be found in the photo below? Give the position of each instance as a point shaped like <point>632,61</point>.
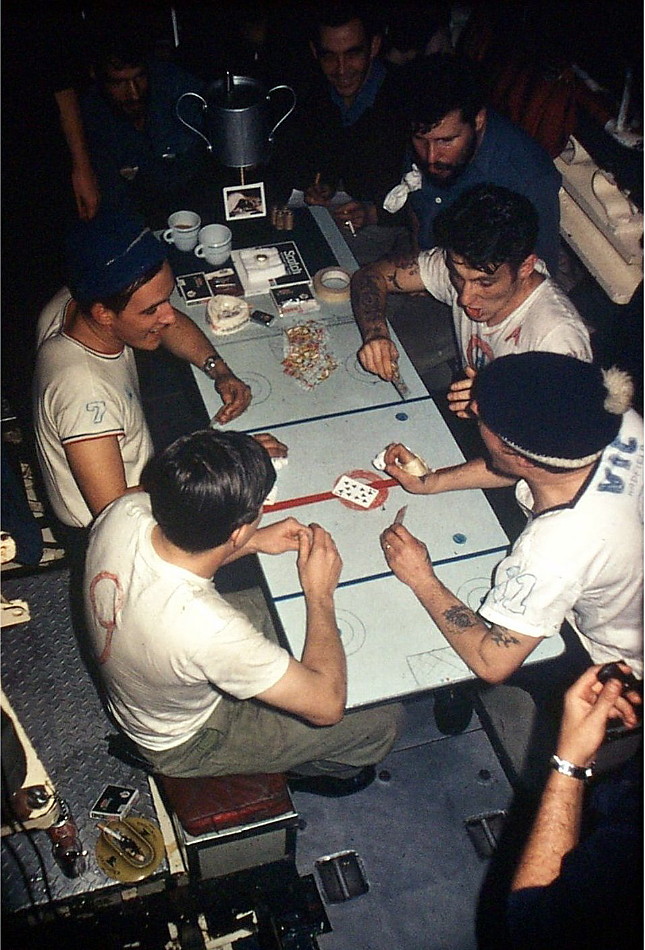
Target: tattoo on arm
<point>408,266</point>
<point>503,637</point>
<point>461,617</point>
<point>369,302</point>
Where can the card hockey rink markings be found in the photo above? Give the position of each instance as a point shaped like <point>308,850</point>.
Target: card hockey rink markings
<point>352,631</point>
<point>473,592</point>
<point>356,371</point>
<point>435,665</point>
<point>260,387</point>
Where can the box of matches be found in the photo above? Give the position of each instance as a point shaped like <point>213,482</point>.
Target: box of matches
<point>194,288</point>
<point>115,801</point>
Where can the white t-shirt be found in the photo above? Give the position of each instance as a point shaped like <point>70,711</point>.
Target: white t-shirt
<point>78,395</point>
<point>546,320</point>
<point>165,640</point>
<point>583,562</point>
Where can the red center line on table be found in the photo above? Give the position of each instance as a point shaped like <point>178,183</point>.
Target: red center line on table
<point>324,496</point>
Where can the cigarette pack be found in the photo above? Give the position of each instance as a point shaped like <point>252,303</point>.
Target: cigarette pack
<point>115,801</point>
<point>200,287</point>
<point>225,281</point>
<point>194,288</point>
<point>298,298</point>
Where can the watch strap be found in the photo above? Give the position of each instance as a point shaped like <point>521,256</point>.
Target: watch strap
<point>568,768</point>
<point>209,364</point>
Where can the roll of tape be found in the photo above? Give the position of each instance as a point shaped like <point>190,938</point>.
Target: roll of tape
<point>331,285</point>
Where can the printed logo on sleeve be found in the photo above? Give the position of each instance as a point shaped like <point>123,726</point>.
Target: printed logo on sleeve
<point>97,410</point>
<point>513,593</point>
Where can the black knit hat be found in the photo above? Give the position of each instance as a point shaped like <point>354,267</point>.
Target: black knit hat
<point>552,408</point>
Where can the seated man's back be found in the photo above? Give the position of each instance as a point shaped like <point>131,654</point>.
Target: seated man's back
<point>181,634</point>
<point>182,667</point>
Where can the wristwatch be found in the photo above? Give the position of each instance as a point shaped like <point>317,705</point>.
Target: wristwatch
<point>209,365</point>
<point>568,768</point>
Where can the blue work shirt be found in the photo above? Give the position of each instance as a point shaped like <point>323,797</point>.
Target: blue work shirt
<point>506,156</point>
<point>365,98</point>
<point>116,144</point>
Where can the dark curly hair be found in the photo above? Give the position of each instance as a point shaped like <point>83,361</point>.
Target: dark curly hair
<point>487,226</point>
<point>439,84</point>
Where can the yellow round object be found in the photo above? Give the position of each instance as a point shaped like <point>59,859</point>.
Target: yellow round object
<point>113,862</point>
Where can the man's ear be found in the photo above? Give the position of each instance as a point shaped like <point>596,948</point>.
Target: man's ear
<point>480,121</point>
<point>375,46</point>
<point>527,266</point>
<point>314,51</point>
<point>236,537</point>
<point>102,314</point>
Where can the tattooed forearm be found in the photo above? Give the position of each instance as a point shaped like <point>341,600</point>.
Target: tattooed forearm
<point>461,618</point>
<point>503,637</point>
<point>369,300</point>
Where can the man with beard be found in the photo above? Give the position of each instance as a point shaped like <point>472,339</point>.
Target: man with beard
<point>486,269</point>
<point>458,142</point>
<point>146,161</point>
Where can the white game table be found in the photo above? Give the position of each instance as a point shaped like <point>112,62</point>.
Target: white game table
<point>455,524</point>
<point>393,647</point>
<point>279,399</point>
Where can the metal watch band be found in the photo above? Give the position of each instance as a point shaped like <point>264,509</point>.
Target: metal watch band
<point>568,768</point>
<point>209,364</point>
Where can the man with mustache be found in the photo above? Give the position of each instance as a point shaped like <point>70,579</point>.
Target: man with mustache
<point>458,142</point>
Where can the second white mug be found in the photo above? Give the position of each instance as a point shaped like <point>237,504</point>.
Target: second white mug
<point>215,243</point>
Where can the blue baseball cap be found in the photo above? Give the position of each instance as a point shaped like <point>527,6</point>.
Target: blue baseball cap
<point>108,253</point>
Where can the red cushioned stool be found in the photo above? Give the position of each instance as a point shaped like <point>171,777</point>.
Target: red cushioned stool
<point>227,823</point>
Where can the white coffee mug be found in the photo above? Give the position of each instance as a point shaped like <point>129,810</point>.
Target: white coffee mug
<point>183,230</point>
<point>215,243</point>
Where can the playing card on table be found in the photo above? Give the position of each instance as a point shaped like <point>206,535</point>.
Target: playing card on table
<point>352,490</point>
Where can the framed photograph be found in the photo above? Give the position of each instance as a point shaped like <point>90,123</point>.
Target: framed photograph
<point>245,201</point>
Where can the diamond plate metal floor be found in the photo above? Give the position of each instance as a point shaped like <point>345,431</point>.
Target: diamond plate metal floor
<point>408,827</point>
<point>56,701</point>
